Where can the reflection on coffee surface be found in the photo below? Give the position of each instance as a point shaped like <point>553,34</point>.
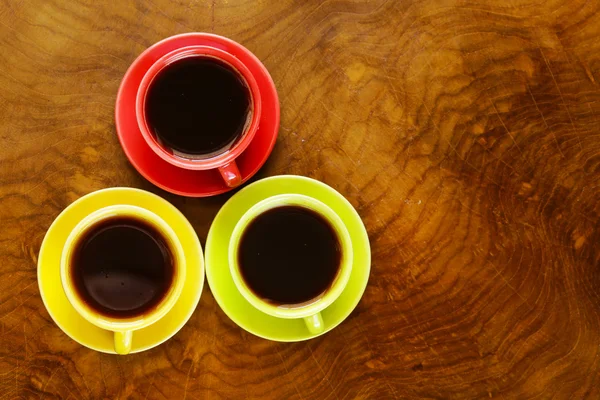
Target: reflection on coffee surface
<point>122,267</point>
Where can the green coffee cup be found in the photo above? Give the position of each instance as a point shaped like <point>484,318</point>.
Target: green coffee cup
<point>310,311</point>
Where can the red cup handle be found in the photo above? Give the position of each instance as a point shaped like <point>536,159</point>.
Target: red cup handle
<point>231,174</point>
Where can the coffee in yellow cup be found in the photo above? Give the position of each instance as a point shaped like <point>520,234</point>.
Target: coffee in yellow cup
<point>122,268</point>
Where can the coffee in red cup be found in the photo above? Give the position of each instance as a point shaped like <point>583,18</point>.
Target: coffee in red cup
<point>198,108</point>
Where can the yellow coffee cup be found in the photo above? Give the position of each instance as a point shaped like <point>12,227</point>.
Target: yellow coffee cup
<point>123,327</point>
<point>309,311</point>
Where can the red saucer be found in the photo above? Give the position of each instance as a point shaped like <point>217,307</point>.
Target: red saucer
<point>167,176</point>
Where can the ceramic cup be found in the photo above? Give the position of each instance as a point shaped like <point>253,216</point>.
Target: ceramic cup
<point>123,327</point>
<point>224,161</point>
<point>310,311</point>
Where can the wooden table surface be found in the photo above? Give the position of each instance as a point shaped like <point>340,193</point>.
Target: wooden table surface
<point>465,133</point>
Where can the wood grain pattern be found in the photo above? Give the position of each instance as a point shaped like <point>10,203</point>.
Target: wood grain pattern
<point>465,132</point>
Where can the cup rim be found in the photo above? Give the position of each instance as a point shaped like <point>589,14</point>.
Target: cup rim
<point>132,323</point>
<point>200,51</point>
<point>323,300</point>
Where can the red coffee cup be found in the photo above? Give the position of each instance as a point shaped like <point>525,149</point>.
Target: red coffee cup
<point>225,161</point>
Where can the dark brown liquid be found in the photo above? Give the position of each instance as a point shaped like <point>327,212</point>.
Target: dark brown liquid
<point>122,267</point>
<point>198,106</point>
<point>289,255</point>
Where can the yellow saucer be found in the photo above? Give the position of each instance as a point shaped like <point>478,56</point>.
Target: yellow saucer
<point>53,295</point>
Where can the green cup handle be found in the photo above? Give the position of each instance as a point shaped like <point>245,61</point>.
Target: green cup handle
<point>314,323</point>
<point>123,342</point>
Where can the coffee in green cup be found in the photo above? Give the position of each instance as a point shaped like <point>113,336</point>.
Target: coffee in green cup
<point>291,256</point>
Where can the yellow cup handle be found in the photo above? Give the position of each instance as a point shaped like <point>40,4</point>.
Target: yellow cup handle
<point>314,323</point>
<point>123,342</point>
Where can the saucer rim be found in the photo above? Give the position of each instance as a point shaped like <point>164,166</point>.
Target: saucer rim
<point>364,239</point>
<point>201,36</point>
<point>86,197</point>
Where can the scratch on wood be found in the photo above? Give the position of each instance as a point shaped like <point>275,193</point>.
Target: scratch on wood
<point>515,291</point>
<point>187,380</point>
<point>70,391</point>
<point>505,127</point>
<point>545,123</point>
<point>150,386</point>
<point>287,372</point>
<point>312,355</point>
<point>212,16</point>
<point>561,97</point>
<point>25,340</point>
<point>48,381</point>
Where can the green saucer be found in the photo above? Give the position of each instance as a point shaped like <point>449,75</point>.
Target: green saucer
<point>217,267</point>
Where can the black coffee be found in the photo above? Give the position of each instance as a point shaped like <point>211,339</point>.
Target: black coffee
<point>289,255</point>
<point>122,267</point>
<point>198,106</point>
